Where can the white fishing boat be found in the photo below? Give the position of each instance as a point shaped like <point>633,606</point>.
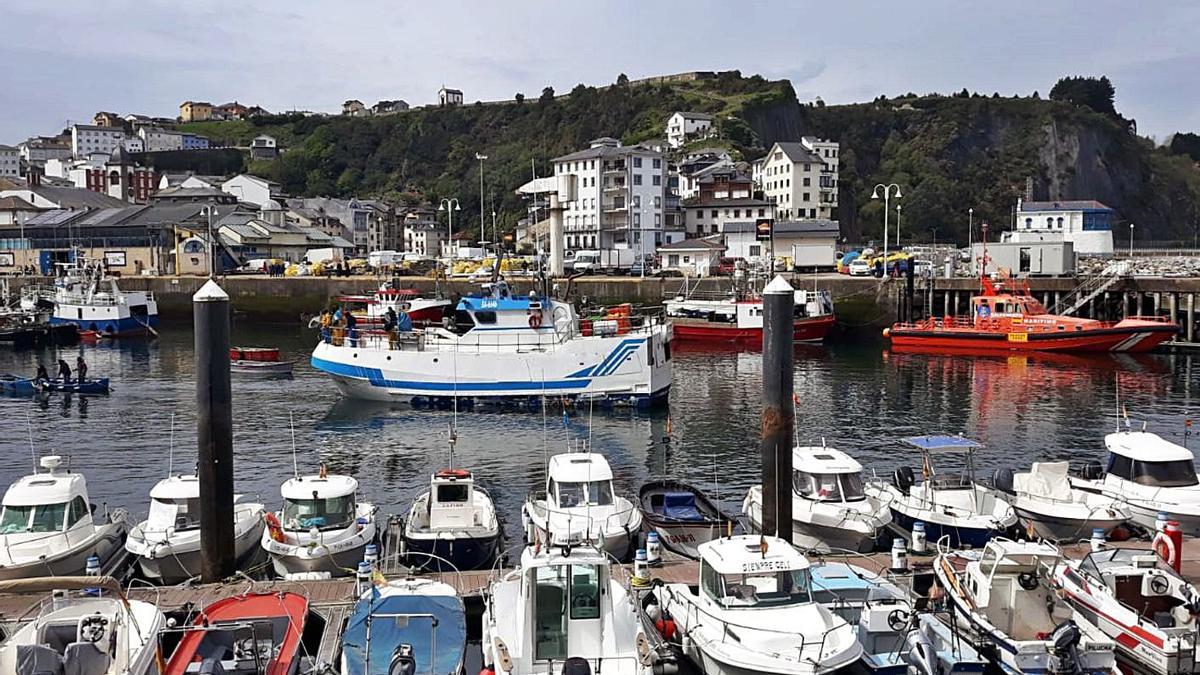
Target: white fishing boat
<point>1148,475</point>
<point>952,505</point>
<point>501,346</point>
<point>48,527</point>
<point>102,635</point>
<point>579,505</point>
<point>831,511</point>
<point>562,612</point>
<point>1005,595</point>
<point>1141,603</point>
<point>453,526</point>
<point>86,297</point>
<point>322,527</point>
<point>1049,508</point>
<point>167,543</point>
<point>896,640</point>
<point>753,612</point>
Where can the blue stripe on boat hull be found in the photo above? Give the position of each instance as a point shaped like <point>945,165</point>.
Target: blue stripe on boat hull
<point>959,536</point>
<point>118,327</point>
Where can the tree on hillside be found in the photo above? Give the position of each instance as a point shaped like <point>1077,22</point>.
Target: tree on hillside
<point>520,98</point>
<point>1095,93</point>
<point>547,95</point>
<point>622,80</point>
<point>1186,144</point>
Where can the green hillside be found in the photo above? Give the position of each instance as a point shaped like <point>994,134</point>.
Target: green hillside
<point>950,153</point>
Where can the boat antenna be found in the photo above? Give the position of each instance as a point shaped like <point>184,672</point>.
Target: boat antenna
<point>454,413</point>
<point>545,429</point>
<point>171,451</point>
<point>32,452</point>
<point>292,424</point>
<point>1117,388</point>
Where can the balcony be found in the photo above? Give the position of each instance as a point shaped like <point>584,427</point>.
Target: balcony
<point>614,206</point>
<point>614,167</point>
<point>615,185</point>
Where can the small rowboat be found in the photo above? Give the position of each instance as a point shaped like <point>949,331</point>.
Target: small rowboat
<point>16,386</point>
<point>682,516</point>
<point>259,361</point>
<point>97,385</point>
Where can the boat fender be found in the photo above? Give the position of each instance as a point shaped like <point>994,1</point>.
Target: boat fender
<point>535,320</point>
<point>666,627</point>
<point>487,670</point>
<point>1002,479</point>
<point>1027,580</point>
<point>903,479</point>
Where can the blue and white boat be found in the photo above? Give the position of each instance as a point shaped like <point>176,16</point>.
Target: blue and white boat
<point>501,346</point>
<point>952,505</point>
<point>410,626</point>
<point>87,298</point>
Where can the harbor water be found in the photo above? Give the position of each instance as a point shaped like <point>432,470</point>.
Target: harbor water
<point>859,398</point>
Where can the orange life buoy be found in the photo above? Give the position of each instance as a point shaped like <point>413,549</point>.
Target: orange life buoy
<point>275,528</point>
<point>535,320</point>
<point>453,473</point>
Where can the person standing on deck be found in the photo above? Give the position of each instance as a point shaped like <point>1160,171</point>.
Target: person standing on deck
<point>64,371</point>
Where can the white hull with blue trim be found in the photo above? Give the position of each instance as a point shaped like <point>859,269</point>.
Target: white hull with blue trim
<point>89,299</point>
<point>503,347</point>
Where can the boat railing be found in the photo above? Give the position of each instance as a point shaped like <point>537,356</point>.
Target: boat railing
<point>729,630</point>
<point>939,322</point>
<point>616,520</point>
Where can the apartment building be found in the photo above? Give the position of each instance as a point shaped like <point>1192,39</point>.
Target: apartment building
<point>620,193</point>
<point>801,178</point>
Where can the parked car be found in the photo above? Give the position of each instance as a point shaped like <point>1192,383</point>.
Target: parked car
<point>860,267</point>
<point>726,266</point>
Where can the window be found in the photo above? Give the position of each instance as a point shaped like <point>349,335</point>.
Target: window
<point>737,213</point>
<point>806,196</point>
<point>585,592</point>
<point>656,180</point>
<point>485,316</point>
<point>1120,466</point>
<point>550,613</point>
<point>808,167</point>
<point>637,162</point>
<point>1175,473</point>
<point>758,589</point>
<point>79,509</point>
<point>637,201</point>
<point>595,493</point>
<point>762,213</point>
<point>710,581</point>
<point>755,250</point>
<point>1060,222</point>
<point>1025,259</point>
<point>637,179</point>
<point>658,202</point>
<point>330,513</point>
<point>1028,223</point>
<point>687,259</point>
<point>1049,222</point>
<point>714,214</point>
<point>657,164</point>
<point>807,181</point>
<point>812,213</point>
<point>452,493</point>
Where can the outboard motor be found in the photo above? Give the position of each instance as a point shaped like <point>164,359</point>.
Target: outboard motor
<point>903,479</point>
<point>1064,643</point>
<point>576,665</point>
<point>403,662</point>
<point>922,656</point>
<point>1002,479</point>
<point>1091,470</point>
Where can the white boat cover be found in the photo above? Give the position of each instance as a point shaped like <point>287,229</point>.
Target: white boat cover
<point>1047,480</point>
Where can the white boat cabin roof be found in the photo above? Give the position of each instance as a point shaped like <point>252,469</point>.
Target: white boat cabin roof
<point>303,487</point>
<point>744,554</point>
<point>1013,556</point>
<point>452,477</point>
<point>549,556</point>
<point>1144,446</point>
<point>579,467</point>
<point>822,460</point>
<point>177,487</point>
<point>49,487</point>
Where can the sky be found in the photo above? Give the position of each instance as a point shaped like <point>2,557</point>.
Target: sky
<point>63,61</point>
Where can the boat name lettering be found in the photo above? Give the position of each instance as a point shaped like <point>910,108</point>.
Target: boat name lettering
<point>1018,337</point>
<point>488,303</point>
<point>686,537</point>
<point>765,566</point>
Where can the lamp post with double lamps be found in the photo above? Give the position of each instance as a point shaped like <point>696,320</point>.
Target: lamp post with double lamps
<point>450,205</point>
<point>208,212</point>
<point>887,194</point>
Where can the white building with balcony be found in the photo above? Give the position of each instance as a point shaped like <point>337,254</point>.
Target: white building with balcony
<point>87,139</point>
<point>619,196</point>
<point>10,161</point>
<point>801,178</point>
<point>688,126</point>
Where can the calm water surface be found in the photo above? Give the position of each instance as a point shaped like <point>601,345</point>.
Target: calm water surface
<point>857,398</point>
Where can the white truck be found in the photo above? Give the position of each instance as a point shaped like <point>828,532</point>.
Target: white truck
<point>609,261</point>
<point>381,259</point>
<point>322,255</point>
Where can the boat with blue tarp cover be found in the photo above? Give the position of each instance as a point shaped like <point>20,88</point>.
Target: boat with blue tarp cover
<point>410,626</point>
<point>501,346</point>
<point>15,385</point>
<point>951,504</point>
<point>682,516</point>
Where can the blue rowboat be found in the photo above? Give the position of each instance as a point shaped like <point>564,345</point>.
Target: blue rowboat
<point>13,385</point>
<point>97,385</point>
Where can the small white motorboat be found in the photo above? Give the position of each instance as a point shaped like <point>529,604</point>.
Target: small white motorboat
<point>167,543</point>
<point>952,505</point>
<point>830,509</point>
<point>48,527</point>
<point>1050,509</point>
<point>414,626</point>
<point>453,526</point>
<point>322,527</point>
<point>1005,595</point>
<point>1141,603</point>
<point>88,635</point>
<point>895,639</point>
<point>682,515</point>
<point>1148,475</point>
<point>562,612</point>
<point>753,612</point>
<point>579,505</point>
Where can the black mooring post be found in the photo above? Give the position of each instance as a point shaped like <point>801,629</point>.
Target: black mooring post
<point>779,412</point>
<point>909,291</point>
<point>214,431</point>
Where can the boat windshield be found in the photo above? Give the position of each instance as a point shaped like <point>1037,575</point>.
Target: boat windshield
<point>594,493</point>
<point>828,487</point>
<point>1178,473</point>
<point>33,518</point>
<point>767,588</point>
<point>322,513</point>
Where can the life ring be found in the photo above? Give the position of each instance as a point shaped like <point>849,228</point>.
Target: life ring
<point>453,473</point>
<point>535,320</point>
<point>275,528</point>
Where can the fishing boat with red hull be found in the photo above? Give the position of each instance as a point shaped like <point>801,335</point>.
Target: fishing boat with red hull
<point>370,310</point>
<point>740,319</point>
<point>1006,317</point>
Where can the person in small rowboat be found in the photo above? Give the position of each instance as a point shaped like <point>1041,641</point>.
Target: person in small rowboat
<point>64,371</point>
<point>81,368</point>
<point>42,374</point>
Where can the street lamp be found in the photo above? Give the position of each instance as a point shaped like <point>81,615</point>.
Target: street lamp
<point>482,222</point>
<point>970,227</point>
<point>1131,241</point>
<point>887,193</point>
<point>450,206</point>
<point>207,211</point>
<point>898,246</point>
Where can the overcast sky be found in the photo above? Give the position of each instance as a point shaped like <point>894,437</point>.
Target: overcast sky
<point>65,60</point>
